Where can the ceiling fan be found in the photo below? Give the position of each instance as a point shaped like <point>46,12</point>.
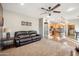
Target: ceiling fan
<point>48,11</point>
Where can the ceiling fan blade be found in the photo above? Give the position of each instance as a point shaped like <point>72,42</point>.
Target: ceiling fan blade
<point>55,6</point>
<point>57,11</point>
<point>44,9</point>
<point>43,13</point>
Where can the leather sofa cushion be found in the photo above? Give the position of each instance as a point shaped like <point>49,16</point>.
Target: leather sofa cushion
<point>33,35</point>
<point>36,37</point>
<point>23,36</point>
<point>21,33</point>
<point>24,40</point>
<point>32,32</point>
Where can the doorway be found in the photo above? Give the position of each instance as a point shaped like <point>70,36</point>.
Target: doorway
<point>71,31</point>
<point>56,30</point>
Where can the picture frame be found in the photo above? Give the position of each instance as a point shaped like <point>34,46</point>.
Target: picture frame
<point>23,23</point>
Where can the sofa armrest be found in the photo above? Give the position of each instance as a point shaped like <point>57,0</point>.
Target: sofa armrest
<point>16,38</point>
<point>77,49</point>
<point>17,41</point>
<point>38,35</point>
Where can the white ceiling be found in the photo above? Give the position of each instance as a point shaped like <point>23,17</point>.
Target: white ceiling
<point>34,9</point>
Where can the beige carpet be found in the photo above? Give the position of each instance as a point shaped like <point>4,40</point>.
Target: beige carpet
<point>44,47</point>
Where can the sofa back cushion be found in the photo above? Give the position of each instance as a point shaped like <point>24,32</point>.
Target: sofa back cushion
<point>32,35</point>
<point>23,36</point>
<point>21,33</point>
<point>32,32</point>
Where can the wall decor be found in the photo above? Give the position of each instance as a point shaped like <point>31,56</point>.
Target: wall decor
<point>1,21</point>
<point>23,23</point>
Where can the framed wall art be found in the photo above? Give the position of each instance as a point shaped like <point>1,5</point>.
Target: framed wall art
<point>23,23</point>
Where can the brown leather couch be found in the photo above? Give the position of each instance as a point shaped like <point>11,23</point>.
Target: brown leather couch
<point>26,37</point>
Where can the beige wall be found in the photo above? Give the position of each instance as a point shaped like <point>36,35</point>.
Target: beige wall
<point>1,10</point>
<point>12,21</point>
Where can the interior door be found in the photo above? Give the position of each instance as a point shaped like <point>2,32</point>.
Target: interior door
<point>41,26</point>
<point>45,29</point>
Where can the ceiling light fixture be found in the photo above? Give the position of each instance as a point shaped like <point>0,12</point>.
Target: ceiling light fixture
<point>70,9</point>
<point>22,4</point>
